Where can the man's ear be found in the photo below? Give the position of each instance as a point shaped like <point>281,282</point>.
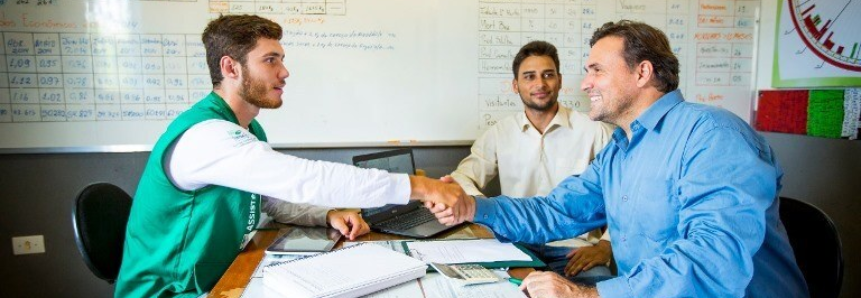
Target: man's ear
<point>230,68</point>
<point>645,71</point>
<point>514,86</point>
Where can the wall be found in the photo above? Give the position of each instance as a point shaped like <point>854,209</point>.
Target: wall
<point>824,172</point>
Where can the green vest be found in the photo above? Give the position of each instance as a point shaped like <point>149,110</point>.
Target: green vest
<point>179,243</point>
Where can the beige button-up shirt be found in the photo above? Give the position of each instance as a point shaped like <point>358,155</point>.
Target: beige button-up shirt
<point>531,163</point>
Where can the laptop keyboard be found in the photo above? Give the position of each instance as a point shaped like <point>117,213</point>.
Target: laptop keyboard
<point>407,221</point>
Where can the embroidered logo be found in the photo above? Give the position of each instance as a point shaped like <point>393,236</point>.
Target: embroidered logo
<point>241,137</point>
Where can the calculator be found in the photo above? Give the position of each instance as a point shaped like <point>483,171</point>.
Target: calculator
<point>468,274</point>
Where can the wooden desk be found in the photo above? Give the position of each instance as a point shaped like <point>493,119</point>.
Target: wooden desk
<point>234,280</point>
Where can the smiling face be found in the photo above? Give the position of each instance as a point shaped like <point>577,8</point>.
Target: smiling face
<point>538,83</point>
<point>609,82</point>
<point>263,75</point>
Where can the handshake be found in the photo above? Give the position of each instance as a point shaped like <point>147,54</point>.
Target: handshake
<point>445,198</point>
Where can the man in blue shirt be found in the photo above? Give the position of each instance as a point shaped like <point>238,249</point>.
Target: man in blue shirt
<point>687,190</point>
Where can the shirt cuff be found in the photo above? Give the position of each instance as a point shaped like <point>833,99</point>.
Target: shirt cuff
<point>401,189</point>
<point>616,287</point>
<point>485,211</point>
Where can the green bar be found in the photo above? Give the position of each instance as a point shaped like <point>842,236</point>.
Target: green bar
<point>825,113</point>
<point>855,46</point>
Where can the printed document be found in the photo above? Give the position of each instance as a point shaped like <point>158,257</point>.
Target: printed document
<point>466,251</point>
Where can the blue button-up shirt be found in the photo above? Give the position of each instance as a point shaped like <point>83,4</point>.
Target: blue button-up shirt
<point>689,201</point>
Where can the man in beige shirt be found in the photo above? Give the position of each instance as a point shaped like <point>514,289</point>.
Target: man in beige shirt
<point>535,150</point>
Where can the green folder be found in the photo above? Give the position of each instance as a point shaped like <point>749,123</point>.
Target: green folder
<point>534,263</point>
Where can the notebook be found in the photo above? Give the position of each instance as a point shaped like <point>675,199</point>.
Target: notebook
<point>411,220</point>
<point>344,273</point>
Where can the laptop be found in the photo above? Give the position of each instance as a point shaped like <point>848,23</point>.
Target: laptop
<point>411,220</point>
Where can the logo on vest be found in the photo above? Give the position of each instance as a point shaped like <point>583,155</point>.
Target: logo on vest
<point>253,212</point>
<point>241,137</point>
<point>253,216</point>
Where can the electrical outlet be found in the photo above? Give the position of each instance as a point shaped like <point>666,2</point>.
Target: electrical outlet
<point>28,245</point>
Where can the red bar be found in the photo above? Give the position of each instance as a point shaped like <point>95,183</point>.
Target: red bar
<point>828,44</point>
<point>782,111</point>
<point>808,10</point>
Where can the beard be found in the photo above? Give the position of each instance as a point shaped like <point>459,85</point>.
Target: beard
<point>538,106</point>
<point>254,91</point>
<point>604,112</point>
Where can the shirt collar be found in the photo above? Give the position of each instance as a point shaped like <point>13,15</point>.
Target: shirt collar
<point>653,114</point>
<point>561,118</point>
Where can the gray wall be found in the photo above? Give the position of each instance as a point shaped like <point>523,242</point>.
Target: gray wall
<point>825,173</point>
<point>38,191</point>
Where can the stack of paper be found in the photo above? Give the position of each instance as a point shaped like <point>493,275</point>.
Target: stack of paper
<point>349,272</point>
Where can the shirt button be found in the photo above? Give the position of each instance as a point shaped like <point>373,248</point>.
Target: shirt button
<point>624,198</point>
<point>485,216</point>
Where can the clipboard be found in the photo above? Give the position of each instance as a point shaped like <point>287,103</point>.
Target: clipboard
<point>534,263</point>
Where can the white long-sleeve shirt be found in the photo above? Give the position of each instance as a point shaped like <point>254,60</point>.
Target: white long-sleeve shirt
<point>218,152</point>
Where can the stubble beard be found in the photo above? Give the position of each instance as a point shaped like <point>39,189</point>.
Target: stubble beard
<point>254,92</point>
<point>539,107</point>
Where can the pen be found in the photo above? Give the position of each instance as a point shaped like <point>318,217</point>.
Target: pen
<point>515,281</point>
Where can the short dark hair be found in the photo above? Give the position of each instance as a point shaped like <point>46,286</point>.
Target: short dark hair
<point>535,48</point>
<point>644,42</point>
<point>234,36</point>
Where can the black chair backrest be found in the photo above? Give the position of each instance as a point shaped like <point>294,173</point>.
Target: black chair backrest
<point>99,217</point>
<point>817,246</point>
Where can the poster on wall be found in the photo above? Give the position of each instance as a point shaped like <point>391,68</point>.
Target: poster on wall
<point>818,44</point>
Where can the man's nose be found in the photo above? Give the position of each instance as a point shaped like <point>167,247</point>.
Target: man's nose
<point>586,84</point>
<point>284,73</point>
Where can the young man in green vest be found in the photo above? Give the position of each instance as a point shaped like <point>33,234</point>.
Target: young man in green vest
<point>200,194</point>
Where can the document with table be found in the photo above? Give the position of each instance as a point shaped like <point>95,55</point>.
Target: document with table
<point>465,251</point>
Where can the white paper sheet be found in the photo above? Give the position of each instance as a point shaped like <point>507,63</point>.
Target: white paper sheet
<point>466,251</point>
<point>437,286</point>
<point>406,290</point>
<point>395,245</point>
<point>268,259</point>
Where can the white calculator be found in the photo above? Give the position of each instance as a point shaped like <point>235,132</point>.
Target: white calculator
<point>468,274</point>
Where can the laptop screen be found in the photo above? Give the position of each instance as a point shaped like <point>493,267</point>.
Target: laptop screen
<point>393,161</point>
<point>400,162</point>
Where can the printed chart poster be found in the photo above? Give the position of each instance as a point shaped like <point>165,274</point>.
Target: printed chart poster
<point>817,44</point>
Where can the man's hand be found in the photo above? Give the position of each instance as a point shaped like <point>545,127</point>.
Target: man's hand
<point>449,216</point>
<point>349,223</point>
<point>541,284</point>
<point>439,194</point>
<point>463,210</point>
<point>584,258</point>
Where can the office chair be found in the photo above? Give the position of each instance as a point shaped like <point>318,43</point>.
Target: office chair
<point>99,218</point>
<point>816,244</point>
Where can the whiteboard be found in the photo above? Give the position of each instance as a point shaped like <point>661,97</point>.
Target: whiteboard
<point>112,74</point>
